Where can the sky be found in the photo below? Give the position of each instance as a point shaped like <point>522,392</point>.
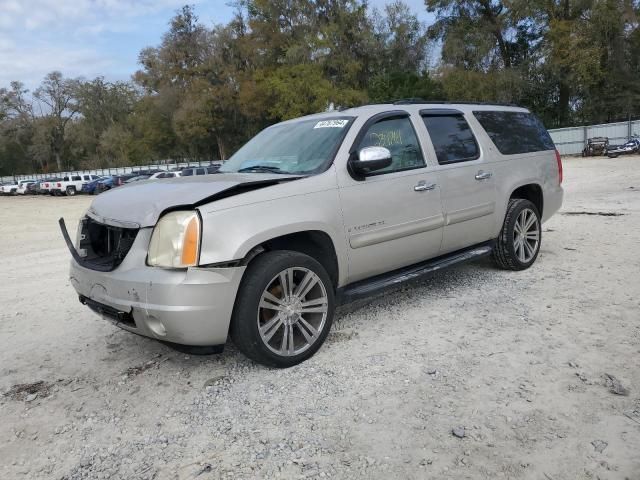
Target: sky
<point>88,38</point>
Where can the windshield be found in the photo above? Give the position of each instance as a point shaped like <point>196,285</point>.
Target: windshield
<point>303,147</point>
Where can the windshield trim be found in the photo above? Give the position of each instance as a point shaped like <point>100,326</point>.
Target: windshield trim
<point>332,154</point>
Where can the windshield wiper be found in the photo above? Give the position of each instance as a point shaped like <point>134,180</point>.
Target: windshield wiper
<point>262,168</point>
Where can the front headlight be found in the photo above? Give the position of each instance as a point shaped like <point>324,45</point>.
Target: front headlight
<point>175,241</point>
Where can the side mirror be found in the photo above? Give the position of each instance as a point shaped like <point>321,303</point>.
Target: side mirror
<point>369,160</point>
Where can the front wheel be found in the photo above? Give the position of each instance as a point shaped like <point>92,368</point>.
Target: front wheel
<point>518,245</point>
<point>284,309</point>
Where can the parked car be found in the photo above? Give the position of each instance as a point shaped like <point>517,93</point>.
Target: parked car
<point>7,187</point>
<point>314,212</point>
<point>90,187</point>
<point>71,184</point>
<point>628,148</point>
<point>596,146</point>
<point>188,172</point>
<point>111,182</point>
<point>160,175</point>
<point>31,188</point>
<point>14,188</point>
<point>137,178</point>
<point>23,187</point>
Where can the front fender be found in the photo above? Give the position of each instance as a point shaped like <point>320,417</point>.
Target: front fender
<point>230,234</point>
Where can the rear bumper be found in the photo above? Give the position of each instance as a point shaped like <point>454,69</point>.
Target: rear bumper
<point>188,307</point>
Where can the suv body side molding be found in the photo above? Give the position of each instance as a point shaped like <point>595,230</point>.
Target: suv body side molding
<point>379,283</point>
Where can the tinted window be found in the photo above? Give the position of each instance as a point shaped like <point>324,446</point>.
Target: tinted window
<point>515,132</point>
<point>75,178</point>
<point>397,135</point>
<point>187,173</point>
<point>200,171</point>
<point>452,138</point>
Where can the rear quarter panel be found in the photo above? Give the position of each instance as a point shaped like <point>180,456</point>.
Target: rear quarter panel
<point>514,171</point>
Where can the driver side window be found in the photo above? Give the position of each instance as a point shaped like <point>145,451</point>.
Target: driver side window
<point>398,136</point>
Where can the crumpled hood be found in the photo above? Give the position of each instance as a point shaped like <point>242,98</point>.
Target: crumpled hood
<point>140,204</point>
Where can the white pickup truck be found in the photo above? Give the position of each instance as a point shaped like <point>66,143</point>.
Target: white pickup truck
<point>71,184</point>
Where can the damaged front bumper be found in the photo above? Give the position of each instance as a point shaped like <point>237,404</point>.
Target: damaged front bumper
<point>188,306</point>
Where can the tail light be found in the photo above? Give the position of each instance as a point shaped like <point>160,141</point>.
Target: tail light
<point>58,184</point>
<point>559,161</point>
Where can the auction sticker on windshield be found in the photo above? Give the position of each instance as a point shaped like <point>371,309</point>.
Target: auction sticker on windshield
<point>331,124</point>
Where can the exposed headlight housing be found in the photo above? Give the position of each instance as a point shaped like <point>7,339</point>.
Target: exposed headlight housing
<point>175,241</point>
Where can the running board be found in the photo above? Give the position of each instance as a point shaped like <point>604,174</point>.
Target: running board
<point>371,286</point>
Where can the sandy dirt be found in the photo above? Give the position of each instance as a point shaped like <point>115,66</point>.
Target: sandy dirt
<point>517,362</point>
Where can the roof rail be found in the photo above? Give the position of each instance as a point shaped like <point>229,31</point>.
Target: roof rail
<point>409,101</point>
<point>419,101</point>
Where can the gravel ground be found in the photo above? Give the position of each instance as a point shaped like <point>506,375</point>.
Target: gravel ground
<point>473,373</point>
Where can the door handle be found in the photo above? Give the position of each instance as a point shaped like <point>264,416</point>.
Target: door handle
<point>423,186</point>
<point>482,175</point>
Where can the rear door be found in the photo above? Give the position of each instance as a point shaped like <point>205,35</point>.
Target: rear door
<point>467,182</point>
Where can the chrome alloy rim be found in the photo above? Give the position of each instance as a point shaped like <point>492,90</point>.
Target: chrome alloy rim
<point>293,311</point>
<point>526,235</point>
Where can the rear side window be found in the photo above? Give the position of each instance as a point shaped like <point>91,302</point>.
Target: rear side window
<point>515,132</point>
<point>76,178</point>
<point>452,138</point>
<point>201,171</point>
<point>187,173</point>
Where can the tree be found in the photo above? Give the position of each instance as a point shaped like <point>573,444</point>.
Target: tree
<point>102,105</point>
<point>59,97</point>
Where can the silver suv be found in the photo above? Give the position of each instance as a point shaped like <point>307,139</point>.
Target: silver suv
<point>313,212</point>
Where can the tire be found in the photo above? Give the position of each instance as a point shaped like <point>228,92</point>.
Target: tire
<point>512,251</point>
<point>71,191</point>
<point>263,278</point>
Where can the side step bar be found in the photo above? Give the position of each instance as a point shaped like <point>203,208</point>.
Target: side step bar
<point>371,286</point>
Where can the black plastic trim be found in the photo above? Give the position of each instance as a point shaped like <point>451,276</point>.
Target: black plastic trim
<point>375,119</point>
<point>65,234</point>
<point>439,112</point>
<point>108,267</point>
<point>379,283</point>
<point>114,314</point>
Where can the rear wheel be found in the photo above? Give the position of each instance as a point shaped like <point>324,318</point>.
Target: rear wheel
<point>518,245</point>
<point>71,190</point>
<point>284,309</point>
